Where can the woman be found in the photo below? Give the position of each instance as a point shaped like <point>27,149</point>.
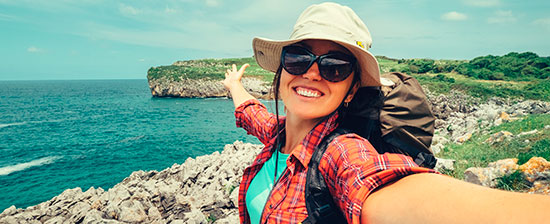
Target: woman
<point>318,70</point>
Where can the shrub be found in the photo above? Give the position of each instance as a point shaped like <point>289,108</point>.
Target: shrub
<point>512,66</point>
<point>530,71</point>
<point>444,78</point>
<point>421,65</point>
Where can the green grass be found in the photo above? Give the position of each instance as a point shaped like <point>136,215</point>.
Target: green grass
<point>208,69</point>
<point>390,65</point>
<point>442,83</point>
<point>477,153</point>
<point>513,182</point>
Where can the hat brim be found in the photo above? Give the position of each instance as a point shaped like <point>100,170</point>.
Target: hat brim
<point>268,56</point>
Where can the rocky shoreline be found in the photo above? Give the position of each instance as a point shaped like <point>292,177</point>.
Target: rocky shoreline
<point>201,190</point>
<point>205,189</point>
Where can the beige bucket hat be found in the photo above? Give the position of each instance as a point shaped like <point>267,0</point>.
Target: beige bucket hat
<point>326,21</point>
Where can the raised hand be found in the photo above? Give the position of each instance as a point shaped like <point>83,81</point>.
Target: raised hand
<point>233,77</point>
<point>232,82</point>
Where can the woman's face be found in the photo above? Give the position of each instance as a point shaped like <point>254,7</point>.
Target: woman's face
<point>309,96</point>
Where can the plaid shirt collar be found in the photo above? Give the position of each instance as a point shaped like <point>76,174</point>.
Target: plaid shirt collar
<point>304,151</point>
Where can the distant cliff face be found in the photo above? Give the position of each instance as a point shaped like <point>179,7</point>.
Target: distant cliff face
<point>203,88</point>
<point>201,78</point>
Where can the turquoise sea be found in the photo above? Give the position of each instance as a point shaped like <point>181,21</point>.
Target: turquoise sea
<point>56,135</point>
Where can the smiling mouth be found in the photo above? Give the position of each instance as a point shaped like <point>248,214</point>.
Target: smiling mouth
<point>308,92</point>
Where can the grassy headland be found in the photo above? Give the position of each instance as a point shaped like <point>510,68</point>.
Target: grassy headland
<point>513,76</point>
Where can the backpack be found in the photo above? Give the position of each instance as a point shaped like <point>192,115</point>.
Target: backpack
<point>397,118</point>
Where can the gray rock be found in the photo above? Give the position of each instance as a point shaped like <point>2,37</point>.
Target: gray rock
<point>488,176</point>
<point>444,164</point>
<point>196,217</point>
<point>10,211</point>
<point>527,133</point>
<point>229,219</point>
<point>56,220</point>
<point>132,211</point>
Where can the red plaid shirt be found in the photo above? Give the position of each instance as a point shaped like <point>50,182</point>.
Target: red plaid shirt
<point>350,165</point>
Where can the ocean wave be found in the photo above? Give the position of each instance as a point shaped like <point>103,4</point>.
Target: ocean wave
<point>131,138</point>
<point>54,120</point>
<point>12,124</point>
<point>22,166</point>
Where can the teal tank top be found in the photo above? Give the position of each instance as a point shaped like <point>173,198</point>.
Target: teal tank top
<point>261,185</point>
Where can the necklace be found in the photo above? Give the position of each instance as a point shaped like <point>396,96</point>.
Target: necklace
<point>276,163</point>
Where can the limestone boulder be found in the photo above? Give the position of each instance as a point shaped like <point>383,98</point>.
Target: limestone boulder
<point>488,176</point>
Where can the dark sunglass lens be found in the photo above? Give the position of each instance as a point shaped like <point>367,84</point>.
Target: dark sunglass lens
<point>335,69</point>
<point>296,61</point>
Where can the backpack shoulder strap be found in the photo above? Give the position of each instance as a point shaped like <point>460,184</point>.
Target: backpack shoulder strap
<point>320,206</point>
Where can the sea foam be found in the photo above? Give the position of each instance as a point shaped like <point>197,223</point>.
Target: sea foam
<point>22,166</point>
<point>12,124</point>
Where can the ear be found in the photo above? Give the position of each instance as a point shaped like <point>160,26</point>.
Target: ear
<point>352,92</point>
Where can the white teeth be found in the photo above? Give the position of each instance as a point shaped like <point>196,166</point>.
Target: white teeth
<point>307,93</point>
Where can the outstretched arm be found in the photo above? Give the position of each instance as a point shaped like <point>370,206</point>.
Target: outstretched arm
<point>434,198</point>
<point>233,83</point>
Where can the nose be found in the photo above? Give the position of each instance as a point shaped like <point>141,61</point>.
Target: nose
<point>313,73</point>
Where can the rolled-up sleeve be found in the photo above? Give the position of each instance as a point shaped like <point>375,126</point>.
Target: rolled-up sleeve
<point>253,116</point>
<point>353,169</point>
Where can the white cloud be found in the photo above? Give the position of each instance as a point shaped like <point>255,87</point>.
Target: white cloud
<point>196,34</point>
<point>170,10</point>
<point>128,10</point>
<point>6,17</point>
<point>502,17</point>
<point>544,22</point>
<point>454,16</point>
<point>212,3</point>
<point>33,49</point>
<point>482,3</point>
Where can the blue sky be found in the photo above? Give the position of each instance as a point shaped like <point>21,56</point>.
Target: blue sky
<point>101,39</point>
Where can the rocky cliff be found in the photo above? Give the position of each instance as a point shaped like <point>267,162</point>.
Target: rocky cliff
<point>203,88</point>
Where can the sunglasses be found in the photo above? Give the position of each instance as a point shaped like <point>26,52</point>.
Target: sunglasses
<point>333,67</point>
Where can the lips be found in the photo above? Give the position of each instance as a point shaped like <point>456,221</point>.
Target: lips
<point>308,92</point>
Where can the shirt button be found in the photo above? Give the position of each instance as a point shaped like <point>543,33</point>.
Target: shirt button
<point>270,206</point>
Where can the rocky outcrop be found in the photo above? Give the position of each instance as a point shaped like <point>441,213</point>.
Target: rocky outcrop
<point>488,176</point>
<point>203,88</point>
<point>458,115</point>
<point>201,190</point>
<point>536,174</point>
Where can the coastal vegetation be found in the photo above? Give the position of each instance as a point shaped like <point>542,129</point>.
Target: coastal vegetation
<point>206,69</point>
